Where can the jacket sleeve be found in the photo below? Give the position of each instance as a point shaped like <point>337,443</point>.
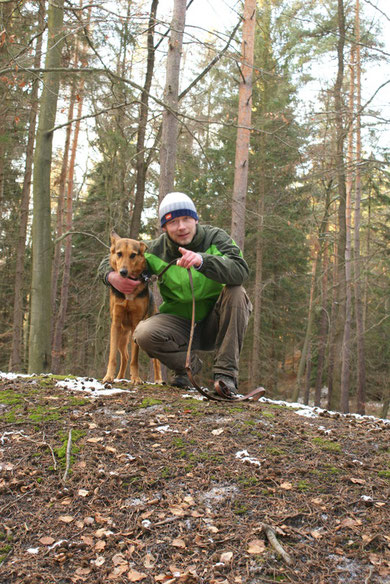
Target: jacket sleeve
<point>228,268</point>
<point>104,269</point>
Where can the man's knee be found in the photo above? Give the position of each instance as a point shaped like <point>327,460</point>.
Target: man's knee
<point>236,296</point>
<point>143,333</point>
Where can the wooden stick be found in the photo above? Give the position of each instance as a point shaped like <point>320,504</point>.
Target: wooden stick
<point>68,453</point>
<point>271,535</point>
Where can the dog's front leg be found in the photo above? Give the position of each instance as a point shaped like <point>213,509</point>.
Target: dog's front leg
<point>111,368</point>
<point>134,371</point>
<point>123,342</point>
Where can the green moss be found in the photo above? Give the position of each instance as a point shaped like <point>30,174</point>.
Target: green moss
<point>268,414</point>
<point>10,398</point>
<point>166,472</point>
<point>385,474</point>
<point>44,414</point>
<point>4,551</point>
<point>10,417</point>
<point>61,451</point>
<point>147,402</point>
<point>327,445</point>
<point>275,451</point>
<point>303,486</point>
<point>240,509</point>
<point>248,481</point>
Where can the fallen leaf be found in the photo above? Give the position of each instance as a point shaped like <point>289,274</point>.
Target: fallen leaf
<point>256,546</point>
<point>135,576</point>
<point>286,486</point>
<point>226,557</point>
<point>83,571</point>
<point>149,561</point>
<point>83,493</point>
<point>177,510</point>
<point>66,518</point>
<point>118,571</point>
<point>100,545</point>
<point>95,440</point>
<point>66,501</point>
<point>217,432</point>
<point>47,540</point>
<point>357,481</point>
<point>87,540</point>
<point>99,561</point>
<point>118,559</point>
<point>349,522</point>
<point>316,534</point>
<point>179,543</point>
<point>189,499</point>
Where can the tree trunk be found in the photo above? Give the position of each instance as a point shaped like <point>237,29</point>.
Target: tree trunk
<point>60,208</point>
<point>244,122</point>
<point>168,148</point>
<point>361,364</point>
<point>57,349</point>
<point>322,337</point>
<point>310,320</point>
<point>16,357</point>
<point>141,166</point>
<point>60,320</point>
<point>39,341</point>
<point>340,176</point>
<point>346,350</point>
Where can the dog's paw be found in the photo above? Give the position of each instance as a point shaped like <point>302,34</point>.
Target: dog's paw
<point>136,380</point>
<point>108,379</point>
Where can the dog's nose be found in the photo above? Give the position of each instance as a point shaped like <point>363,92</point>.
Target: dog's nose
<point>123,272</point>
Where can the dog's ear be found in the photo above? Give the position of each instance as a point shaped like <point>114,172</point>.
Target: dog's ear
<point>114,237</point>
<point>142,247</point>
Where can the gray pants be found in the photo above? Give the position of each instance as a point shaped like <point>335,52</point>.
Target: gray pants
<point>165,336</point>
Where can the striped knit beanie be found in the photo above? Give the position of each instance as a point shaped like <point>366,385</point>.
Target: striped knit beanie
<point>176,205</point>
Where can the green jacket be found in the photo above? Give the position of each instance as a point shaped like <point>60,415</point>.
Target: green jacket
<point>222,264</point>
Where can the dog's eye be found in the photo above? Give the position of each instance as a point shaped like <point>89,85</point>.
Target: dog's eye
<point>132,256</point>
<point>119,254</point>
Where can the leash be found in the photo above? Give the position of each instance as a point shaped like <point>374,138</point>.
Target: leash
<point>222,390</point>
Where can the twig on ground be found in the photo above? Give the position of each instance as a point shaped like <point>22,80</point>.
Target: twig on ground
<point>370,573</point>
<point>270,533</point>
<point>68,452</point>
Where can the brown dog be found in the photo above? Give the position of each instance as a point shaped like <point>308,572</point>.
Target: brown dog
<point>127,258</point>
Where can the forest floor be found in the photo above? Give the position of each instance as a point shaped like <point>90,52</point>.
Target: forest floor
<point>163,487</point>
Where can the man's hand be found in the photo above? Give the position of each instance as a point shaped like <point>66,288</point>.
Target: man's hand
<point>189,259</point>
<point>124,285</point>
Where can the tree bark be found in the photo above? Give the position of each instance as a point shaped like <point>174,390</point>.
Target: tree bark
<point>361,364</point>
<point>39,340</point>
<point>168,148</point>
<point>60,208</point>
<point>244,122</point>
<point>16,356</point>
<point>141,166</point>
<point>339,306</point>
<point>346,349</point>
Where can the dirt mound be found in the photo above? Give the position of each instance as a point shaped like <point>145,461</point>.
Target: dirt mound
<point>154,485</point>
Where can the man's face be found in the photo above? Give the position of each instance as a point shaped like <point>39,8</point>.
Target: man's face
<point>181,229</point>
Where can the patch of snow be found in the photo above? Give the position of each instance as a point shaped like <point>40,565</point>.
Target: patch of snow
<point>33,551</point>
<point>165,429</point>
<point>12,376</point>
<point>218,494</point>
<point>90,386</point>
<point>317,411</point>
<point>243,455</point>
<point>5,435</point>
<point>306,413</point>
